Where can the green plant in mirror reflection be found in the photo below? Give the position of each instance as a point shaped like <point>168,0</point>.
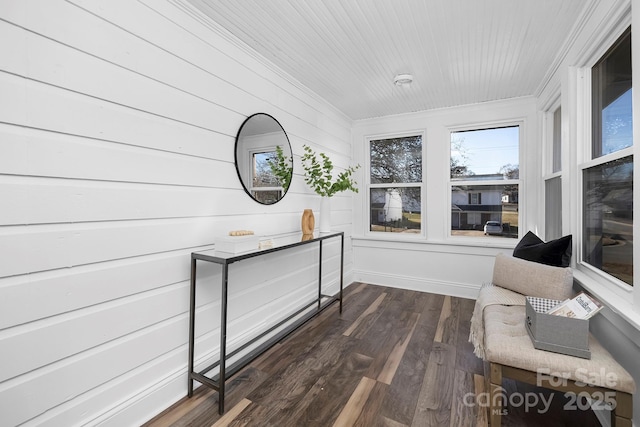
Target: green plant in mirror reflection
<point>282,168</point>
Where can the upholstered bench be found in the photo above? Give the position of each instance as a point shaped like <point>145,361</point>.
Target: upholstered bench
<point>500,338</point>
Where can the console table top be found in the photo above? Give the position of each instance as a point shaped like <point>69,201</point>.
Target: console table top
<point>220,257</point>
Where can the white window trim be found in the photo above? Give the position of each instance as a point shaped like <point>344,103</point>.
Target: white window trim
<point>252,154</point>
<point>547,132</point>
<point>377,235</point>
<point>618,296</point>
<point>548,110</point>
<point>480,241</point>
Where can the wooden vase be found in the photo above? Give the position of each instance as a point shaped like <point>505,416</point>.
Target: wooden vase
<point>308,222</point>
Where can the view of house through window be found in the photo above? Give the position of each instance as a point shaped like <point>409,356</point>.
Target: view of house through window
<point>607,240</point>
<point>485,176</point>
<point>395,188</point>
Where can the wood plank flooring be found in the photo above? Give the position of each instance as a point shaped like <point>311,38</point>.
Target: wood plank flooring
<point>394,358</point>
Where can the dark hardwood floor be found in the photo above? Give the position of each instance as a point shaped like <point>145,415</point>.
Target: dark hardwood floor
<point>393,358</point>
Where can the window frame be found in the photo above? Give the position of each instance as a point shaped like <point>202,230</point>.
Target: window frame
<point>601,276</point>
<point>586,161</point>
<point>553,168</point>
<point>252,173</point>
<point>468,240</point>
<point>624,299</point>
<point>369,185</point>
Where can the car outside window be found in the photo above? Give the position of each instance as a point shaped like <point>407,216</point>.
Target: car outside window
<point>485,180</point>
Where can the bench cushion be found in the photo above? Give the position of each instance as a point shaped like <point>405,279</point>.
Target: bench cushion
<point>507,343</point>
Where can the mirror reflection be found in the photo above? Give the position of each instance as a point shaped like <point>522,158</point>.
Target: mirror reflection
<point>264,160</point>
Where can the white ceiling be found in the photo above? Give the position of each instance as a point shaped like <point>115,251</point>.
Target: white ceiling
<point>459,51</point>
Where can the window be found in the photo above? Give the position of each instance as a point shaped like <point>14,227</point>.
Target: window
<point>266,187</point>
<point>553,184</point>
<point>475,198</point>
<point>484,178</point>
<point>607,238</point>
<point>557,140</point>
<point>395,177</point>
<point>611,97</point>
<point>608,218</point>
<point>553,208</point>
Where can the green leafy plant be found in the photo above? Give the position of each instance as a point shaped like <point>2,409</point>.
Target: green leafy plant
<point>282,168</point>
<point>318,174</point>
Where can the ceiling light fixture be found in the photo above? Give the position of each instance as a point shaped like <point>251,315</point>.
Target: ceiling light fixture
<point>403,80</point>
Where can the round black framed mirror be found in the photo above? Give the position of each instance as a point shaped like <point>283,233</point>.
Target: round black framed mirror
<point>264,160</point>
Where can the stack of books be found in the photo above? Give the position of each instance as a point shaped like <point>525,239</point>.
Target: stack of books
<point>582,306</point>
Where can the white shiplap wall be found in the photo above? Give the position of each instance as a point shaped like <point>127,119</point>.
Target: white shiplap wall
<point>117,129</point>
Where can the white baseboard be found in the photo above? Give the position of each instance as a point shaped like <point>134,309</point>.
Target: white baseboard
<point>461,290</point>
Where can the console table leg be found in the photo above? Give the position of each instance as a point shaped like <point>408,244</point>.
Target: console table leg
<point>192,318</point>
<point>223,338</point>
<point>341,268</point>
<point>320,276</point>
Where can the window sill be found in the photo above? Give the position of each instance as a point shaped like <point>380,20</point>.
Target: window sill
<point>419,239</point>
<point>619,303</point>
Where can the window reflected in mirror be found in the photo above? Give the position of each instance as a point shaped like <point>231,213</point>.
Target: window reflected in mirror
<point>264,160</point>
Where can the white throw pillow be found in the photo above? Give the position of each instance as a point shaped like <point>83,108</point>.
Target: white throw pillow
<point>532,278</point>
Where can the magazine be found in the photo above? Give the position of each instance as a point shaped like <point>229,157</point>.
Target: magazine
<point>582,306</point>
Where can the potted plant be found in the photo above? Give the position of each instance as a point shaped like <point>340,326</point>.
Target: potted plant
<point>318,174</point>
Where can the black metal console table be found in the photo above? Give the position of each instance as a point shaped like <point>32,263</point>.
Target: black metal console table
<point>225,259</point>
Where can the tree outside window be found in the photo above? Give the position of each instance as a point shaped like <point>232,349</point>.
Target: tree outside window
<point>265,185</point>
<point>395,188</point>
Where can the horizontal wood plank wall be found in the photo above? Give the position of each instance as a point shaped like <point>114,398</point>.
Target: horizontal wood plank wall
<point>117,131</point>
